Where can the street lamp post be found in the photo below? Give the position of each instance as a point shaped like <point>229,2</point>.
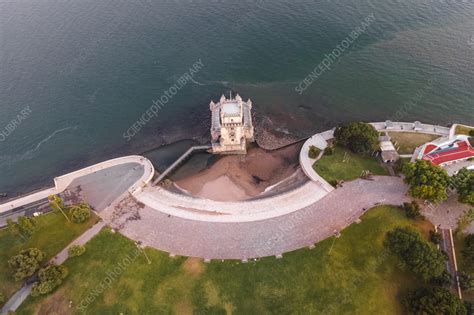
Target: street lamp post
<point>142,247</point>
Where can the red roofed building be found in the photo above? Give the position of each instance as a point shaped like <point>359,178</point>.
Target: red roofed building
<point>445,152</point>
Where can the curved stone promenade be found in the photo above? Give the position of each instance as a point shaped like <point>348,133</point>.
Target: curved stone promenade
<point>273,236</point>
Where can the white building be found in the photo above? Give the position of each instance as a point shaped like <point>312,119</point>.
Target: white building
<point>231,125</point>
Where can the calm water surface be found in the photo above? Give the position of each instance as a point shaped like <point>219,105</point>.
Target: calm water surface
<point>89,69</point>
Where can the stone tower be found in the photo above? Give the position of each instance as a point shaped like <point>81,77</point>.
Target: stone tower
<point>231,125</point>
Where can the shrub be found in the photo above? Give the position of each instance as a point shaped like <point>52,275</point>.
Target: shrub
<point>412,209</point>
<point>465,220</point>
<point>329,150</point>
<point>49,278</point>
<point>434,301</point>
<point>419,256</point>
<point>313,152</point>
<point>26,263</point>
<point>358,137</point>
<point>80,213</point>
<point>76,250</point>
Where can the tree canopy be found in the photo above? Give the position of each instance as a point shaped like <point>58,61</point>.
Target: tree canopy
<point>24,227</point>
<point>80,212</point>
<point>468,250</point>
<point>426,181</point>
<point>434,301</point>
<point>464,183</point>
<point>358,137</point>
<point>419,256</point>
<point>49,278</point>
<point>26,263</point>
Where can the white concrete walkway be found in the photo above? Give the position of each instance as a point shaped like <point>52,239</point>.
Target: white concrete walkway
<point>238,211</point>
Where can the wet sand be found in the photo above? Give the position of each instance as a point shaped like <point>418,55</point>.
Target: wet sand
<point>240,177</point>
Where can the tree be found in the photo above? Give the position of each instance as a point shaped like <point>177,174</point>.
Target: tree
<point>418,255</point>
<point>434,301</point>
<point>466,281</point>
<point>57,204</point>
<point>76,250</point>
<point>80,212</point>
<point>26,263</point>
<point>468,250</point>
<point>24,227</point>
<point>49,278</point>
<point>412,209</point>
<point>358,137</point>
<point>426,181</point>
<point>464,183</point>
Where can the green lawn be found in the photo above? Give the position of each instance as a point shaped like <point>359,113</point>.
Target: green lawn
<point>407,142</point>
<point>345,165</point>
<point>355,278</point>
<point>52,235</point>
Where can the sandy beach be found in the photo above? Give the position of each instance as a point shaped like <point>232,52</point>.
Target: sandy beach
<point>239,177</point>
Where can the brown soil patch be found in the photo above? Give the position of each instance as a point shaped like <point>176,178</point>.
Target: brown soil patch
<point>194,266</point>
<point>239,177</point>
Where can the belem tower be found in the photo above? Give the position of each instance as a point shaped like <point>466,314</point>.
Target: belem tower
<point>231,126</point>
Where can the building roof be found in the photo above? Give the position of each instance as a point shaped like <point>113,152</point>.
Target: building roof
<point>457,149</point>
<point>231,108</point>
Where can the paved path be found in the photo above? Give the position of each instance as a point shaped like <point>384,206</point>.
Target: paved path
<point>15,301</point>
<point>242,240</point>
<point>62,182</point>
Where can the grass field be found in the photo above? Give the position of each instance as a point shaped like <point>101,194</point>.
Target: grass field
<point>463,130</point>
<point>356,277</point>
<point>52,235</point>
<point>407,142</point>
<point>345,165</point>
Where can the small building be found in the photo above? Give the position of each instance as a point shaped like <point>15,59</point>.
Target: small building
<point>388,152</point>
<point>231,126</point>
<point>447,151</point>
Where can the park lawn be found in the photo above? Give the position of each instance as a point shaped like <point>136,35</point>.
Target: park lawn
<point>407,142</point>
<point>52,235</point>
<point>462,130</point>
<point>343,164</point>
<point>356,277</point>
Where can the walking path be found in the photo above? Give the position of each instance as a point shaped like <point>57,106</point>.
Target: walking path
<point>15,301</point>
<point>250,239</point>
